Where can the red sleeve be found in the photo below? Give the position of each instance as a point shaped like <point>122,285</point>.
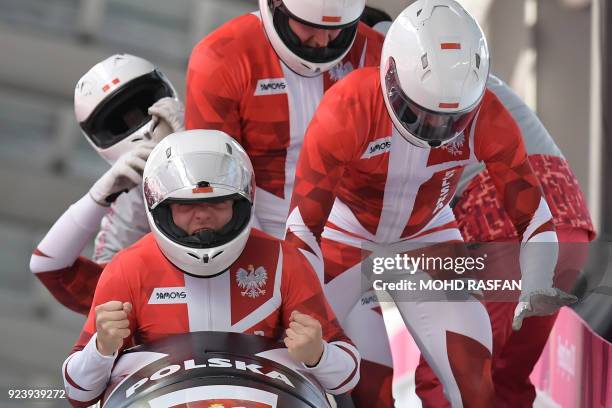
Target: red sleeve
<point>338,368</point>
<point>499,143</point>
<point>215,85</point>
<point>86,372</point>
<point>73,286</point>
<point>329,146</point>
<point>302,291</point>
<point>111,286</point>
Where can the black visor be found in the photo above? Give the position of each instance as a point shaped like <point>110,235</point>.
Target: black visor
<point>333,51</point>
<point>125,111</point>
<point>432,127</point>
<point>162,215</point>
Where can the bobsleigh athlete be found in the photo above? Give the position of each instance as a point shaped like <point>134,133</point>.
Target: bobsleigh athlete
<point>260,78</point>
<point>380,163</point>
<point>482,219</point>
<point>124,106</point>
<point>203,268</point>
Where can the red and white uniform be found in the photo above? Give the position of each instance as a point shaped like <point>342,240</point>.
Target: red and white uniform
<point>358,183</point>
<point>57,263</point>
<point>124,224</point>
<point>167,301</point>
<point>236,83</point>
<point>482,219</point>
<point>357,178</point>
<point>368,185</point>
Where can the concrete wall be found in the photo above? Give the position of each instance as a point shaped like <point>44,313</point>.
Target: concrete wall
<point>563,88</point>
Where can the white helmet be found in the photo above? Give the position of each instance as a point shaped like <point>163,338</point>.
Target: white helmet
<point>433,71</point>
<point>199,166</point>
<point>111,102</point>
<point>324,14</point>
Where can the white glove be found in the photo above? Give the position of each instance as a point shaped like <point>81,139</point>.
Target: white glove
<point>541,302</point>
<point>168,117</point>
<point>125,174</point>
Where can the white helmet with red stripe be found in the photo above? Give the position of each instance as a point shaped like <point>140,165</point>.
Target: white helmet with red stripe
<point>199,166</point>
<point>111,102</point>
<point>307,61</point>
<point>433,71</point>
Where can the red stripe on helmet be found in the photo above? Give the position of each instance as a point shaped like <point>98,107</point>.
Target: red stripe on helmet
<point>331,19</point>
<point>202,190</point>
<point>450,46</point>
<point>448,105</point>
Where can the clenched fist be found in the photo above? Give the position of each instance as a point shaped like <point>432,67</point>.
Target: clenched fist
<point>304,338</point>
<point>112,326</point>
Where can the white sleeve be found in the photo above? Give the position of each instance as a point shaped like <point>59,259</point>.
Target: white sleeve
<point>87,372</point>
<point>299,235</point>
<point>539,252</point>
<point>338,369</point>
<point>124,224</point>
<point>68,236</point>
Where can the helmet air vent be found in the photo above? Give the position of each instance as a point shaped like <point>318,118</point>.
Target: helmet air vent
<point>424,61</point>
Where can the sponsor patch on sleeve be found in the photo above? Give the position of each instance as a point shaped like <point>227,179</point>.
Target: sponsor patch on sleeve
<point>168,296</point>
<point>271,86</point>
<point>376,147</point>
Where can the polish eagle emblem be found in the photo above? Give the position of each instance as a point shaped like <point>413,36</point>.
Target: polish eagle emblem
<point>252,281</point>
<point>456,145</point>
<point>340,70</point>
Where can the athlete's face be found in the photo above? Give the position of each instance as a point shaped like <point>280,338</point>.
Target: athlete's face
<point>312,37</point>
<point>196,217</point>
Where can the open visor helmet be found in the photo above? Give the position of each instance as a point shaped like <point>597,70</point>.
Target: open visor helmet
<point>307,61</point>
<point>193,167</point>
<point>434,68</point>
<point>112,99</point>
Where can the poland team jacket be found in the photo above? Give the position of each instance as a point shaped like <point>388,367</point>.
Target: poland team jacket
<point>361,181</point>
<point>167,301</point>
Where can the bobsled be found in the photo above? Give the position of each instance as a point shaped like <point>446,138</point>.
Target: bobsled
<point>211,370</point>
